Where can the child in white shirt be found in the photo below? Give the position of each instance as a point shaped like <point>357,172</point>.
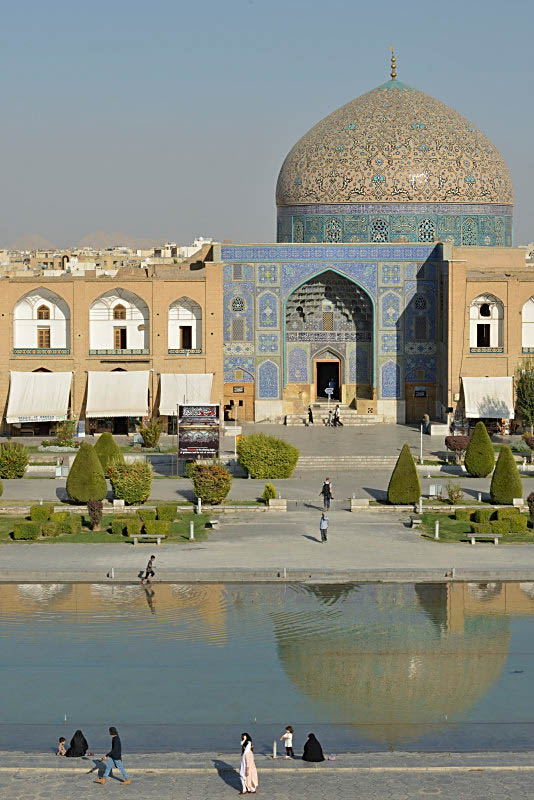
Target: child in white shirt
<point>288,741</point>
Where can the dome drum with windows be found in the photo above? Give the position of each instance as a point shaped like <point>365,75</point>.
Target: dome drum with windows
<point>395,165</point>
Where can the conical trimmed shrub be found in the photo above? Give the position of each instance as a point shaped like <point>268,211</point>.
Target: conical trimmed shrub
<point>506,482</point>
<point>404,485</point>
<point>86,479</point>
<point>109,453</point>
<point>479,458</point>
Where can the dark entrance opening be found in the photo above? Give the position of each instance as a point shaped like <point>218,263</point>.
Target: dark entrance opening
<point>327,371</point>
<point>120,426</point>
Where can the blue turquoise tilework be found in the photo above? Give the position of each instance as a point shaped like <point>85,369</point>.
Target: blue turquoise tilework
<point>268,380</point>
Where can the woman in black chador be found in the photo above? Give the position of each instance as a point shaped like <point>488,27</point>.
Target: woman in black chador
<point>78,746</point>
<point>312,749</point>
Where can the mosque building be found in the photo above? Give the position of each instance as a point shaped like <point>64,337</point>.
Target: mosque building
<point>394,281</point>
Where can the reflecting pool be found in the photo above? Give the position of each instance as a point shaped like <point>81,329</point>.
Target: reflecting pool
<point>188,667</point>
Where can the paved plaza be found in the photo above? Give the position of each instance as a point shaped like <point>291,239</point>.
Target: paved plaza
<point>205,776</point>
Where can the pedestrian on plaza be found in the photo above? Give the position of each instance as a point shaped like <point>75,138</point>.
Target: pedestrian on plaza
<point>78,746</point>
<point>149,572</point>
<point>114,758</point>
<point>310,415</point>
<point>426,423</point>
<point>329,419</point>
<point>287,738</point>
<point>61,747</point>
<point>312,749</point>
<point>323,526</point>
<point>327,493</point>
<point>337,420</point>
<point>248,772</point>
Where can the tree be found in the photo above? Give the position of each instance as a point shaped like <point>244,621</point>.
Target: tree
<point>109,452</point>
<point>524,391</point>
<point>506,482</point>
<point>404,485</point>
<point>479,457</point>
<point>266,456</point>
<point>211,482</point>
<point>86,480</point>
<point>151,433</point>
<point>457,445</point>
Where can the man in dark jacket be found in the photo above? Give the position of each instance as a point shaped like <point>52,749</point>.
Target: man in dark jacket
<point>114,758</point>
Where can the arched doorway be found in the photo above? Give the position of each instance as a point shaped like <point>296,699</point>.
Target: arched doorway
<point>329,322</point>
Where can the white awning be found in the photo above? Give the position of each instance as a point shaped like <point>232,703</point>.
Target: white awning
<point>181,388</point>
<point>117,394</point>
<point>38,397</point>
<point>489,397</point>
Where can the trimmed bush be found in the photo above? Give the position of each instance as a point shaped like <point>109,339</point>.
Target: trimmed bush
<point>131,482</point>
<point>146,514</point>
<point>507,513</point>
<point>483,515</point>
<point>479,458</point>
<point>455,494</point>
<point>151,433</point>
<point>211,482</point>
<point>14,459</point>
<point>86,480</point>
<point>74,524</point>
<point>518,524</point>
<point>457,445</point>
<point>188,468</point>
<point>404,485</point>
<point>266,456</point>
<point>94,508</point>
<point>118,526</point>
<point>133,526</point>
<point>506,481</point>
<point>157,527</point>
<point>269,493</point>
<point>462,514</point>
<point>51,528</point>
<point>167,513</point>
<point>477,527</point>
<point>108,452</point>
<point>22,529</point>
<point>41,513</point>
<point>500,526</point>
<point>60,516</point>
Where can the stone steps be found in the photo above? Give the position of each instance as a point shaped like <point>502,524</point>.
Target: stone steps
<point>348,417</point>
<point>338,463</point>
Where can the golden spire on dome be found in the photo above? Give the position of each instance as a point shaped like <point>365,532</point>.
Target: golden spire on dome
<point>393,72</point>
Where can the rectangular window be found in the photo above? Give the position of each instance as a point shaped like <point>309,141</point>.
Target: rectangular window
<point>43,337</point>
<point>328,320</point>
<point>483,335</point>
<point>119,338</point>
<point>420,330</point>
<point>237,272</point>
<point>186,337</point>
<point>238,329</point>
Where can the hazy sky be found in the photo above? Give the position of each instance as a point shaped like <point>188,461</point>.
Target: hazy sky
<point>169,119</point>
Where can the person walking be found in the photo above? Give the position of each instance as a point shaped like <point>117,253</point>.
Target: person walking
<point>114,758</point>
<point>248,772</point>
<point>426,423</point>
<point>310,415</point>
<point>329,419</point>
<point>327,493</point>
<point>337,420</point>
<point>149,572</point>
<point>323,526</point>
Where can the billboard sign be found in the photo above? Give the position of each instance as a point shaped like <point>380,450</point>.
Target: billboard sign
<point>198,432</point>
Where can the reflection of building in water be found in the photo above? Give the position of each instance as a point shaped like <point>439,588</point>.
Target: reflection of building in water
<point>393,659</point>
<point>200,607</point>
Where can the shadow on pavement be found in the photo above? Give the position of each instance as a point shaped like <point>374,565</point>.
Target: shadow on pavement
<point>227,773</point>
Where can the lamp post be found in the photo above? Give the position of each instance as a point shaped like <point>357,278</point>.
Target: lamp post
<point>421,446</point>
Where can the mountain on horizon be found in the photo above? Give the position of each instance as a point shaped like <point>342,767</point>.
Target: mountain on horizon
<point>31,241</point>
<point>100,240</point>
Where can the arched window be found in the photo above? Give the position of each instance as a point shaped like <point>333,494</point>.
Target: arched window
<point>41,320</point>
<point>185,325</point>
<point>43,312</point>
<point>119,312</point>
<point>486,324</point>
<point>118,320</point>
<point>238,304</point>
<point>527,326</point>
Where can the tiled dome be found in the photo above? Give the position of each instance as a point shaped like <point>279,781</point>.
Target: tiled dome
<point>394,144</point>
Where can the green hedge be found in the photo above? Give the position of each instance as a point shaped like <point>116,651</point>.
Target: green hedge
<point>477,527</point>
<point>479,458</point>
<point>60,516</point>
<point>51,528</point>
<point>211,482</point>
<point>266,456</point>
<point>118,526</point>
<point>518,524</point>
<point>500,526</point>
<point>23,529</point>
<point>188,468</point>
<point>507,513</point>
<point>157,527</point>
<point>132,482</point>
<point>14,459</point>
<point>167,513</point>
<point>462,514</point>
<point>483,515</point>
<point>506,482</point>
<point>108,452</point>
<point>145,514</point>
<point>41,513</point>
<point>269,493</point>
<point>86,480</point>
<point>133,526</point>
<point>404,485</point>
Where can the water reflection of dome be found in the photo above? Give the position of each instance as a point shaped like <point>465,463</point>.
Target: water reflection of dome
<point>37,592</point>
<point>484,591</point>
<point>385,665</point>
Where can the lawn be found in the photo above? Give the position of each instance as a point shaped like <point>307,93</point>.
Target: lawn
<point>453,530</point>
<point>178,533</point>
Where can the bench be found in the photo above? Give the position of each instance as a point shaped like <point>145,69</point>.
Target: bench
<point>484,537</point>
<point>157,537</point>
<point>416,521</point>
<point>214,523</point>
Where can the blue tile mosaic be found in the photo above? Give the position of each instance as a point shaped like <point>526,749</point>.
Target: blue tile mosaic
<point>268,380</point>
<point>297,368</point>
<point>232,363</point>
<point>391,380</point>
<point>268,305</point>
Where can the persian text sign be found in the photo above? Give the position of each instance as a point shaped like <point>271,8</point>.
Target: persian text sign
<point>198,435</point>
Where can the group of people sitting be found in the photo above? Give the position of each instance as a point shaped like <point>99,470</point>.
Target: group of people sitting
<point>77,748</point>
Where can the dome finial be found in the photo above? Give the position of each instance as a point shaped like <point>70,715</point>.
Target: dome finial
<point>393,64</point>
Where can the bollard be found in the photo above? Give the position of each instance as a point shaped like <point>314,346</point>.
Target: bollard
<point>191,530</point>
<point>480,497</point>
<point>199,505</point>
<point>436,529</point>
<point>40,501</point>
<point>420,505</point>
<point>274,749</point>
